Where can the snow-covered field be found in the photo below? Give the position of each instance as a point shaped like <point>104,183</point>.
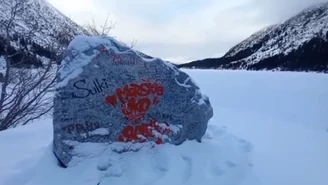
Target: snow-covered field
<point>284,117</point>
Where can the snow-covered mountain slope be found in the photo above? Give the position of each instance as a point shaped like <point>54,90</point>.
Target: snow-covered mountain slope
<point>36,27</point>
<point>298,44</point>
<point>250,42</point>
<point>285,124</point>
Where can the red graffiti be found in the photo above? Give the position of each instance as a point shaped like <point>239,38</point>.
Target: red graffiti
<point>111,100</point>
<point>145,131</point>
<point>135,99</point>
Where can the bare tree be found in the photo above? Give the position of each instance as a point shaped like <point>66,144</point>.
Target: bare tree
<point>104,29</point>
<point>133,43</point>
<point>25,93</point>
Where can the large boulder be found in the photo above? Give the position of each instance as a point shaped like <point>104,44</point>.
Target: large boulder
<point>109,93</point>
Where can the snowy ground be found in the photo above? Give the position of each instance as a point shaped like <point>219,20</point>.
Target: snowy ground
<point>283,115</point>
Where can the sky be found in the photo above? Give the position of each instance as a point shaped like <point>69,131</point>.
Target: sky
<point>182,30</point>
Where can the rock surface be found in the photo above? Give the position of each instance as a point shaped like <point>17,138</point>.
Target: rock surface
<point>109,93</point>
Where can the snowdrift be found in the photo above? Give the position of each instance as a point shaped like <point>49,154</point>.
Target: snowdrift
<point>220,159</point>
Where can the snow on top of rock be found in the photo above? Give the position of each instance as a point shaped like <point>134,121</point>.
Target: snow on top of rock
<point>286,37</point>
<point>70,69</point>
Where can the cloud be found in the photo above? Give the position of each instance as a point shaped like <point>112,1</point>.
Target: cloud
<point>280,10</point>
<point>183,30</point>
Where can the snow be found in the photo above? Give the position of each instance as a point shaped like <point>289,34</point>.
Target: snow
<point>286,37</point>
<point>268,128</point>
<point>175,128</point>
<point>50,21</point>
<point>99,131</point>
<point>183,84</point>
<point>71,70</point>
<point>251,41</point>
<point>73,67</point>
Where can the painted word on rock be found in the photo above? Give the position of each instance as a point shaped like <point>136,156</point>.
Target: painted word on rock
<point>144,132</point>
<point>135,99</point>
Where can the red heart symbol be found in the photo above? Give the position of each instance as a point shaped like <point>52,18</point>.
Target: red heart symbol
<point>111,100</point>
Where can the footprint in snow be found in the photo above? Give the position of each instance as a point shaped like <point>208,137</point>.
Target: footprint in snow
<point>188,167</point>
<point>114,171</point>
<point>213,170</point>
<point>246,146</point>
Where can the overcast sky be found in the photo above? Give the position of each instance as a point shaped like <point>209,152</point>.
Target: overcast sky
<point>183,30</point>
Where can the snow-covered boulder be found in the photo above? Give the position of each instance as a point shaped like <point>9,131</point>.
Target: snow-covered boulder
<point>109,93</point>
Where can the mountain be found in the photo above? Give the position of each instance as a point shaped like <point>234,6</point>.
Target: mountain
<point>37,31</point>
<point>298,44</point>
